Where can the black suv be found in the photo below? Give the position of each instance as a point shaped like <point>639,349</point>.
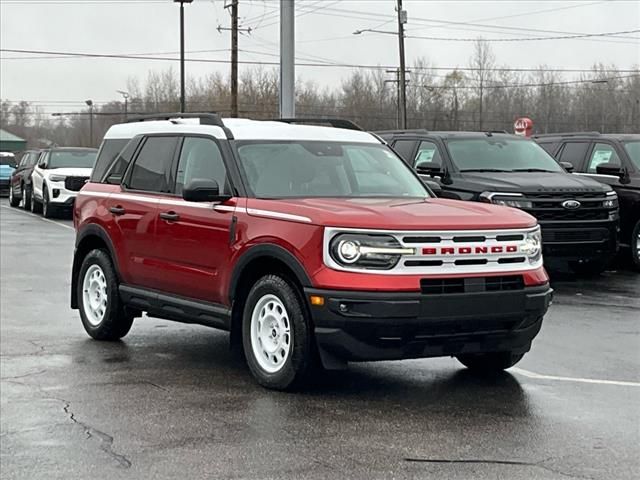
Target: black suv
<point>613,159</point>
<point>20,183</point>
<point>579,216</point>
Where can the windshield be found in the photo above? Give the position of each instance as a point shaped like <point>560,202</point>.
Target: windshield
<point>9,160</point>
<point>326,169</point>
<point>633,149</point>
<point>500,154</point>
<point>72,159</point>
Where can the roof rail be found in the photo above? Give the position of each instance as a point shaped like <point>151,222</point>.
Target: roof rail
<point>498,131</point>
<point>334,122</point>
<point>206,118</point>
<point>402,132</point>
<point>569,134</point>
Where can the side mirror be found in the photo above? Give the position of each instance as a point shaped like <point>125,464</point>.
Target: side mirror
<point>610,169</point>
<point>429,168</point>
<point>567,166</point>
<point>432,184</point>
<point>203,190</point>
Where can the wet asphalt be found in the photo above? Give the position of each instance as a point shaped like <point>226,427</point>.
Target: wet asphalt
<point>172,401</point>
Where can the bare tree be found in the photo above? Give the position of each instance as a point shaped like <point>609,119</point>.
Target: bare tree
<point>482,62</point>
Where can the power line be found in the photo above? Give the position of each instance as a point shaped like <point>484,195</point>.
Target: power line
<point>519,39</point>
<point>302,64</point>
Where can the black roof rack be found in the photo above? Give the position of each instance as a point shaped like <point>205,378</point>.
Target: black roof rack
<point>402,132</point>
<point>499,131</point>
<point>206,118</point>
<point>569,134</point>
<point>334,122</point>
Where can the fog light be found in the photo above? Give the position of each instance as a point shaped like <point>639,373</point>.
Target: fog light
<point>56,192</point>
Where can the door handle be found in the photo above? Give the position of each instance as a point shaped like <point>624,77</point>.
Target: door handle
<point>117,210</point>
<point>170,216</point>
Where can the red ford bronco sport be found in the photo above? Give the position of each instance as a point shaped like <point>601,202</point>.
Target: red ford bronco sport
<point>309,244</point>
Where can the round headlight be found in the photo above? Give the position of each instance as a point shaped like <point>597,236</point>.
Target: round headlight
<point>349,251</point>
<point>531,246</point>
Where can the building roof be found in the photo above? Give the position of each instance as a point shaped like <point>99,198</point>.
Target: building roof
<point>243,129</point>
<point>9,137</point>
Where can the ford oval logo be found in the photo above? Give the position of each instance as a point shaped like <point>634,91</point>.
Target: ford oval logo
<point>571,204</point>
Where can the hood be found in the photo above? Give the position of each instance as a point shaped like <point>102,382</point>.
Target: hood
<point>399,213</point>
<point>527,182</point>
<point>70,172</point>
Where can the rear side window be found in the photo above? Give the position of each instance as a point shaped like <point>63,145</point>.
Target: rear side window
<point>106,156</point>
<point>574,153</point>
<point>152,168</point>
<point>114,174</point>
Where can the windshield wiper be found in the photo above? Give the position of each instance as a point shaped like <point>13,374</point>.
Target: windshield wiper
<point>484,170</point>
<point>532,170</point>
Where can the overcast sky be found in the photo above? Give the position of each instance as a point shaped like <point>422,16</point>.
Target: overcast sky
<point>324,33</point>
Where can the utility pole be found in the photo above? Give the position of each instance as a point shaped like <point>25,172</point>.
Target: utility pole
<point>397,82</point>
<point>287,59</point>
<point>183,102</point>
<point>402,19</point>
<point>234,53</point>
<point>234,58</point>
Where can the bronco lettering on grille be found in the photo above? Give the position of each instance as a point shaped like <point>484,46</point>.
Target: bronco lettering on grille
<point>469,250</point>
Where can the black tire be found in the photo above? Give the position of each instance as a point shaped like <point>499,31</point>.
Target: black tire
<point>13,201</point>
<point>116,321</point>
<point>301,358</point>
<point>590,268</point>
<point>490,362</point>
<point>635,245</point>
<point>26,197</point>
<point>48,211</point>
<point>36,207</point>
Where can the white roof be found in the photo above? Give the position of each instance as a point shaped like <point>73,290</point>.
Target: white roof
<point>242,129</point>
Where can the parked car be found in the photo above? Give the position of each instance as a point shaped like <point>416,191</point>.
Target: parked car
<point>58,176</point>
<point>613,159</point>
<point>20,184</point>
<point>306,243</point>
<point>578,216</point>
<point>7,166</point>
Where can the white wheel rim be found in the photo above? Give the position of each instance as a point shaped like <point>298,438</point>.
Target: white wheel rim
<point>94,293</point>
<point>270,333</point>
<point>638,245</point>
<point>11,193</point>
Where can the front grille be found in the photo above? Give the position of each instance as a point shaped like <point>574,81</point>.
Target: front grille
<point>443,286</point>
<point>575,235</point>
<point>75,183</point>
<point>548,206</point>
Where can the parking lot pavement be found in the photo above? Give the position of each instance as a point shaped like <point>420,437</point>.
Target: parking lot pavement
<point>172,401</point>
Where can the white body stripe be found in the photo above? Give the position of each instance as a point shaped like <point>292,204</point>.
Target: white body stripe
<point>205,205</point>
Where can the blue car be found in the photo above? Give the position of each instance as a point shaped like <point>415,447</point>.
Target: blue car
<point>7,166</point>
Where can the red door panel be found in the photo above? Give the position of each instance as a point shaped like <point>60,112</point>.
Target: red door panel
<point>193,247</point>
<point>135,216</point>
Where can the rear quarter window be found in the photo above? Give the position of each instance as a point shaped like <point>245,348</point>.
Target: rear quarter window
<point>106,157</point>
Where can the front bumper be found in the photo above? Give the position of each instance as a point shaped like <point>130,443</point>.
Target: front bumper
<point>60,197</point>
<point>365,326</point>
<point>579,240</point>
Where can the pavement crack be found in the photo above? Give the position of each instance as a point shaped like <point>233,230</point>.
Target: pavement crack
<point>106,440</point>
<point>39,372</point>
<point>539,464</point>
